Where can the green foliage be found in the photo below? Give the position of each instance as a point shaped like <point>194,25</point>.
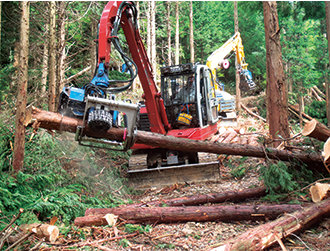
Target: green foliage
<point>238,167</point>
<point>131,228</point>
<point>281,178</point>
<point>124,243</point>
<point>317,110</point>
<point>50,183</point>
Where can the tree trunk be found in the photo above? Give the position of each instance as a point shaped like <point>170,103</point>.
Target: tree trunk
<point>157,215</point>
<point>52,57</point>
<point>191,38</point>
<point>265,235</point>
<point>277,105</point>
<point>301,109</point>
<point>192,200</point>
<point>0,22</point>
<point>149,30</point>
<point>19,143</point>
<point>252,113</point>
<point>55,121</point>
<point>169,29</point>
<point>238,90</point>
<point>92,46</point>
<point>317,93</point>
<point>177,35</point>
<point>60,79</point>
<point>327,84</point>
<point>44,65</point>
<point>316,130</point>
<point>153,39</point>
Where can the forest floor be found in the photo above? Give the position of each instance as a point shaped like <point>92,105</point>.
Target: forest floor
<point>192,235</point>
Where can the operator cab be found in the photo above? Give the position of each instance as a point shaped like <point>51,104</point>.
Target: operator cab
<point>189,96</point>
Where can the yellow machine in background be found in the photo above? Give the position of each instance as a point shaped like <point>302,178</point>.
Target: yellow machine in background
<point>217,60</point>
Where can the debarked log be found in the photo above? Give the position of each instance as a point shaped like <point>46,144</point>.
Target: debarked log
<point>191,213</point>
<point>267,234</point>
<point>192,200</point>
<point>56,121</point>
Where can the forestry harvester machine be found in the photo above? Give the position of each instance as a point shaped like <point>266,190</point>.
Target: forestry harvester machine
<point>186,107</point>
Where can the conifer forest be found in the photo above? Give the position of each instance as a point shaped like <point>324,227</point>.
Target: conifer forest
<point>158,125</point>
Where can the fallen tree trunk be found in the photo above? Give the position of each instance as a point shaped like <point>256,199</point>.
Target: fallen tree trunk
<point>296,109</point>
<point>252,113</point>
<point>191,213</point>
<point>266,235</point>
<point>318,98</point>
<point>316,130</point>
<point>192,200</point>
<point>55,121</point>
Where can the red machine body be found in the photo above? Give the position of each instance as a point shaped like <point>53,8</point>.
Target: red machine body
<point>153,101</point>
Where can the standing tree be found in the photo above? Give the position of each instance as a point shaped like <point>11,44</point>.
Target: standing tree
<point>52,57</point>
<point>169,29</point>
<point>60,78</point>
<point>277,104</point>
<point>149,29</point>
<point>19,143</point>
<point>177,35</point>
<point>44,65</point>
<point>238,90</point>
<point>191,19</point>
<point>153,38</point>
<point>327,84</point>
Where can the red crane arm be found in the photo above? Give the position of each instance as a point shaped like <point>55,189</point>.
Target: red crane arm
<point>154,103</point>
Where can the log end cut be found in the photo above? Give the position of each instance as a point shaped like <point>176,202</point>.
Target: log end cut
<point>319,192</point>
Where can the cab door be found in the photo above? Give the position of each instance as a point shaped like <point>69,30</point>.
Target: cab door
<point>206,100</point>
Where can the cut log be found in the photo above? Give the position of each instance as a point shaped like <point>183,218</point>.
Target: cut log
<point>55,121</point>
<point>264,235</point>
<point>155,215</point>
<point>192,200</point>
<point>49,232</point>
<point>316,130</point>
<point>252,113</point>
<point>319,191</point>
<point>229,137</point>
<point>296,109</point>
<point>326,151</point>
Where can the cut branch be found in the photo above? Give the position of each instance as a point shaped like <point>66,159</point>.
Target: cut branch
<point>192,200</point>
<point>264,235</point>
<point>316,130</point>
<point>55,121</point>
<point>190,213</point>
<point>69,79</point>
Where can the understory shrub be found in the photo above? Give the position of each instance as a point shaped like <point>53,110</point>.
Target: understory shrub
<point>59,178</point>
